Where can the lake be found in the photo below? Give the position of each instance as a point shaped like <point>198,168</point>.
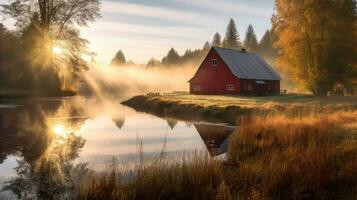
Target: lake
<point>63,131</point>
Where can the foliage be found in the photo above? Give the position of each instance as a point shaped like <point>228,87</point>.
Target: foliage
<point>119,59</point>
<point>206,46</point>
<point>195,57</point>
<point>250,40</point>
<point>217,40</point>
<point>48,24</point>
<point>171,58</point>
<point>317,41</point>
<point>266,47</point>
<point>231,40</point>
<point>153,63</point>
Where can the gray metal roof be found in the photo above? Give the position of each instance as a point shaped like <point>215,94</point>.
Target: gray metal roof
<point>245,65</point>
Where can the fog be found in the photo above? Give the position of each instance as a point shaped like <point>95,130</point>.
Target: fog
<point>134,79</point>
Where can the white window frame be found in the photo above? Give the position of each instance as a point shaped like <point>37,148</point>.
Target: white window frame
<point>230,87</point>
<point>214,62</point>
<point>197,88</point>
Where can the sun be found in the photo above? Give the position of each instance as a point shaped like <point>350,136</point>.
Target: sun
<point>59,129</point>
<point>57,50</point>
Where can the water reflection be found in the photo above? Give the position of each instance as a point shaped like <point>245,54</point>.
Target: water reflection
<point>55,141</point>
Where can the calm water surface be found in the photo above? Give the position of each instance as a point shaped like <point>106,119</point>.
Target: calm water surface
<point>93,131</point>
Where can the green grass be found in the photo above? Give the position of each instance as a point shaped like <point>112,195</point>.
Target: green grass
<point>230,108</point>
<point>256,101</point>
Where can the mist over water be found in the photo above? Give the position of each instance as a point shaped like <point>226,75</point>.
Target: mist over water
<point>54,139</point>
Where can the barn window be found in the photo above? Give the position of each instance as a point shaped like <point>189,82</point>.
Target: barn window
<point>197,88</point>
<point>230,87</point>
<point>214,62</point>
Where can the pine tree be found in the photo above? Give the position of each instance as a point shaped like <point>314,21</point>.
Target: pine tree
<point>231,39</point>
<point>119,58</point>
<point>266,45</point>
<point>206,46</point>
<point>318,42</point>
<point>250,41</point>
<point>153,63</point>
<point>217,40</point>
<point>172,57</point>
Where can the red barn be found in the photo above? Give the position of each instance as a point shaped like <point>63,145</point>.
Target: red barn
<point>227,71</point>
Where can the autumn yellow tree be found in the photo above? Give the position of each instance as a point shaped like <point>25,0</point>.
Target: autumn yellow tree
<point>317,42</point>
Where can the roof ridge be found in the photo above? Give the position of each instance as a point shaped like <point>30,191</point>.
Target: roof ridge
<point>236,50</point>
<point>246,65</point>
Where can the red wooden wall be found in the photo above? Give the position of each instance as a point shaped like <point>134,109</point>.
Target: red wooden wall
<point>213,79</point>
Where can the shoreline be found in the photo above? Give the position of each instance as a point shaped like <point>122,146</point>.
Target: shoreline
<point>229,109</point>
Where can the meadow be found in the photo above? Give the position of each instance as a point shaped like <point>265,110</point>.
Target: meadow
<point>217,108</point>
<point>270,157</point>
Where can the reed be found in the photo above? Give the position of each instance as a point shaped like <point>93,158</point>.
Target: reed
<point>281,157</point>
<point>270,157</point>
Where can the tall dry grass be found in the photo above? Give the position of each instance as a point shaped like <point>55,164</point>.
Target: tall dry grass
<point>280,157</point>
<point>193,176</point>
<point>269,157</point>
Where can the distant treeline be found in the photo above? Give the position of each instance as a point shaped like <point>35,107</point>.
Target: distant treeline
<point>231,40</point>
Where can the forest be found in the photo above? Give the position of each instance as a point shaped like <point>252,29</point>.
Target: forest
<point>312,43</point>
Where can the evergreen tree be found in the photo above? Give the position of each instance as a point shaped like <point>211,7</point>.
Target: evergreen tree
<point>317,41</point>
<point>172,57</point>
<point>250,41</point>
<point>153,63</point>
<point>217,40</point>
<point>266,45</point>
<point>231,39</point>
<point>119,58</point>
<point>206,46</point>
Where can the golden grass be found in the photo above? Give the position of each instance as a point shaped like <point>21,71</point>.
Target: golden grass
<point>260,101</point>
<point>269,157</point>
<point>195,176</point>
<point>311,157</point>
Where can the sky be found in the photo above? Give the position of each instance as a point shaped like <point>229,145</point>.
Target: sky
<point>149,28</point>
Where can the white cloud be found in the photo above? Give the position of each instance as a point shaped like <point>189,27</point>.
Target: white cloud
<point>230,7</point>
<point>158,12</point>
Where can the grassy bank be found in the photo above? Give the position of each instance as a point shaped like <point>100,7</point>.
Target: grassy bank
<point>270,157</point>
<point>229,108</point>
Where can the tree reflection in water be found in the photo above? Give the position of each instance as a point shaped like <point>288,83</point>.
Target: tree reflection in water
<point>46,168</point>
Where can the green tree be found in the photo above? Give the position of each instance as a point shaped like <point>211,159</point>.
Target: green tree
<point>217,40</point>
<point>172,57</point>
<point>206,46</point>
<point>231,39</point>
<point>153,63</point>
<point>250,41</point>
<point>266,45</point>
<point>119,58</point>
<point>54,25</point>
<point>317,42</point>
